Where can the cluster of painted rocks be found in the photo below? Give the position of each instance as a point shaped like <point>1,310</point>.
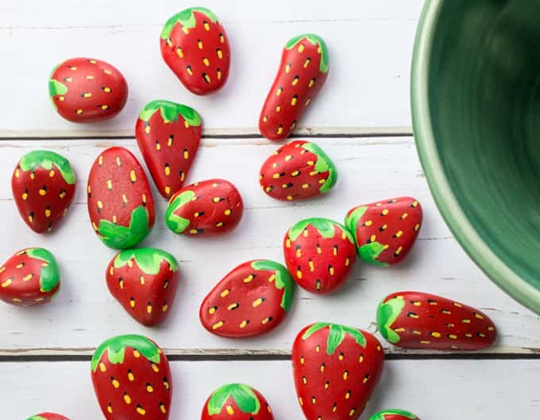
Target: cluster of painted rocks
<point>336,368</point>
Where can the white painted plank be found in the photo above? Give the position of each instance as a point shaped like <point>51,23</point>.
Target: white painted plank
<point>370,45</point>
<point>435,390</point>
<point>374,168</point>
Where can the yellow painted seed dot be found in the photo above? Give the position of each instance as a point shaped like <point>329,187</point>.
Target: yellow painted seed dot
<point>102,367</point>
<point>141,411</point>
<point>436,334</point>
<point>115,383</point>
<point>110,409</point>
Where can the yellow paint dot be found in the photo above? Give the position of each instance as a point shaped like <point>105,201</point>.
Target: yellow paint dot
<point>42,192</point>
<point>102,367</point>
<point>452,337</point>
<point>6,283</point>
<point>141,411</point>
<point>225,293</point>
<point>110,409</point>
<point>436,334</point>
<point>115,383</point>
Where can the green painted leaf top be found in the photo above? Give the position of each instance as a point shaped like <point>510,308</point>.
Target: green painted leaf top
<point>243,396</point>
<point>336,335</point>
<point>186,18</point>
<point>47,160</point>
<point>115,348</point>
<point>147,259</point>
<point>170,111</point>
<point>50,273</point>
<point>315,40</point>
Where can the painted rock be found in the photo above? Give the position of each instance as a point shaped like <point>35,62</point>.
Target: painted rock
<point>168,136</point>
<point>86,90</point>
<point>302,73</point>
<point>385,231</point>
<point>394,415</point>
<point>416,320</point>
<point>144,282</point>
<point>120,202</point>
<point>319,254</point>
<point>30,277</point>
<point>132,379</point>
<point>208,208</point>
<point>43,186</point>
<point>296,171</point>
<point>336,369</point>
<point>251,300</point>
<point>195,46</point>
<point>47,416</point>
<point>236,402</point>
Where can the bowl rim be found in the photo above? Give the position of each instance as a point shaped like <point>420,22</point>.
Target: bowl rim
<point>493,266</point>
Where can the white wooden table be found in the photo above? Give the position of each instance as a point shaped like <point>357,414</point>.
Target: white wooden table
<point>362,119</point>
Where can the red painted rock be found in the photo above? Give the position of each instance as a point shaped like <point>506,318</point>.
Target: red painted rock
<point>385,231</point>
<point>319,254</point>
<point>208,208</point>
<point>195,46</point>
<point>120,203</point>
<point>296,171</point>
<point>48,416</point>
<point>30,277</point>
<point>168,136</point>
<point>416,320</point>
<point>87,90</point>
<point>394,415</point>
<point>43,186</point>
<point>144,282</point>
<point>132,379</point>
<point>336,369</point>
<point>302,73</point>
<point>236,402</point>
<point>253,299</point>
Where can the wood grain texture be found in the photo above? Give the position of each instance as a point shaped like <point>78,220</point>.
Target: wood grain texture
<point>434,390</point>
<point>371,168</point>
<point>368,87</point>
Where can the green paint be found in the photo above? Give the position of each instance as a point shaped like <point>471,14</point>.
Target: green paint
<point>121,237</point>
<point>241,394</point>
<point>353,219</point>
<point>326,228</point>
<point>323,164</point>
<point>57,88</point>
<point>336,335</point>
<point>383,414</point>
<point>283,280</point>
<point>170,111</point>
<point>148,259</point>
<point>176,223</point>
<point>315,40</point>
<point>370,252</point>
<point>49,276</point>
<point>187,19</point>
<point>116,349</point>
<point>36,418</point>
<point>47,160</point>
<point>387,313</point>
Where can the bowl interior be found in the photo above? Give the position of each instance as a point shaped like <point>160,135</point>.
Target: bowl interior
<point>477,83</point>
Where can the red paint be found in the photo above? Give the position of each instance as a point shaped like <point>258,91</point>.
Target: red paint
<point>298,82</point>
<point>335,384</point>
<point>135,383</point>
<point>146,296</point>
<point>42,195</point>
<point>168,146</point>
<point>296,171</point>
<point>30,277</point>
<point>50,416</point>
<point>117,187</point>
<point>321,256</point>
<point>213,207</point>
<point>248,301</point>
<point>428,321</point>
<point>195,46</point>
<point>391,224</point>
<point>87,90</point>
<point>223,404</point>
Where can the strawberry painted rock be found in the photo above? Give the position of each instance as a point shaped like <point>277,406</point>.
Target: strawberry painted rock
<point>168,136</point>
<point>144,282</point>
<point>253,299</point>
<point>120,202</point>
<point>296,171</point>
<point>319,254</point>
<point>394,415</point>
<point>43,186</point>
<point>208,208</point>
<point>195,46</point>
<point>132,379</point>
<point>336,369</point>
<point>236,402</point>
<point>301,75</point>
<point>385,231</point>
<point>30,277</point>
<point>416,320</point>
<point>86,90</point>
<point>47,416</point>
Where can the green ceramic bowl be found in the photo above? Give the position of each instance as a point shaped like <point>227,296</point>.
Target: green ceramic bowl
<point>476,113</point>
